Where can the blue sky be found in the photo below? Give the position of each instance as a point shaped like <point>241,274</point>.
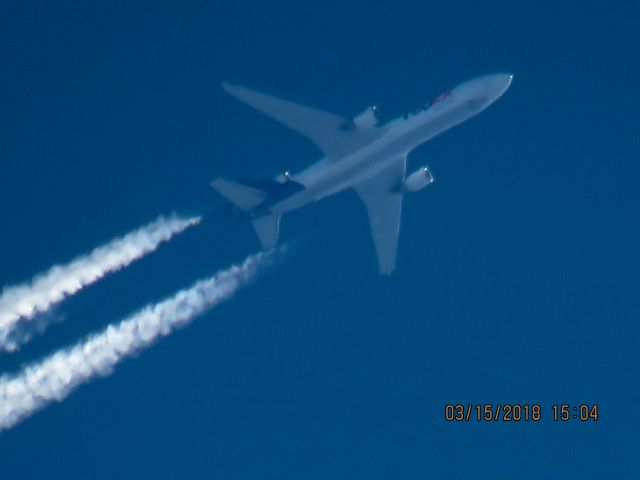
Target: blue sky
<point>517,276</point>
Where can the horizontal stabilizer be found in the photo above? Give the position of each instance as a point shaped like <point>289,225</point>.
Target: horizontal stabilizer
<point>242,196</point>
<point>267,227</point>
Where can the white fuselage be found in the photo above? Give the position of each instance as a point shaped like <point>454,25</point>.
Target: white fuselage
<point>394,141</point>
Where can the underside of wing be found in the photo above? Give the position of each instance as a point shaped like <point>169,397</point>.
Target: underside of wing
<point>382,196</point>
<point>322,128</point>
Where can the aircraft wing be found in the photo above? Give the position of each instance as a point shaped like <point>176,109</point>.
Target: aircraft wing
<point>382,195</point>
<point>322,128</point>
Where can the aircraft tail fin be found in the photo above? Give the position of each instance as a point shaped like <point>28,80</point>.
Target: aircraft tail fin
<point>267,227</point>
<point>242,196</point>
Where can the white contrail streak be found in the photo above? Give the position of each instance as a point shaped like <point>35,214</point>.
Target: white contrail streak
<point>22,302</point>
<point>57,376</point>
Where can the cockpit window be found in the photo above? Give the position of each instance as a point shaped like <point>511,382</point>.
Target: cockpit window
<point>442,97</point>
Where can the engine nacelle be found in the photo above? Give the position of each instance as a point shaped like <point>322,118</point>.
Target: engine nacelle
<point>418,180</point>
<point>367,119</point>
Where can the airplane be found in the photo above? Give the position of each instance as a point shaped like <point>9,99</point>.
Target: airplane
<point>358,154</point>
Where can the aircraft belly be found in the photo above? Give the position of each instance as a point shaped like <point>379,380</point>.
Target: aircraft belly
<point>350,173</point>
<point>328,177</point>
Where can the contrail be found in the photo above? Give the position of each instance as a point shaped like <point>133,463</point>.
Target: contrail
<point>57,376</point>
<point>19,304</point>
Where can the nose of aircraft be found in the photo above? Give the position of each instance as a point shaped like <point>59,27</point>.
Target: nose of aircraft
<point>499,83</point>
<point>489,86</point>
<point>485,90</point>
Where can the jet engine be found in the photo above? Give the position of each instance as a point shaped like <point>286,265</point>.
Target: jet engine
<point>367,119</point>
<point>418,180</point>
